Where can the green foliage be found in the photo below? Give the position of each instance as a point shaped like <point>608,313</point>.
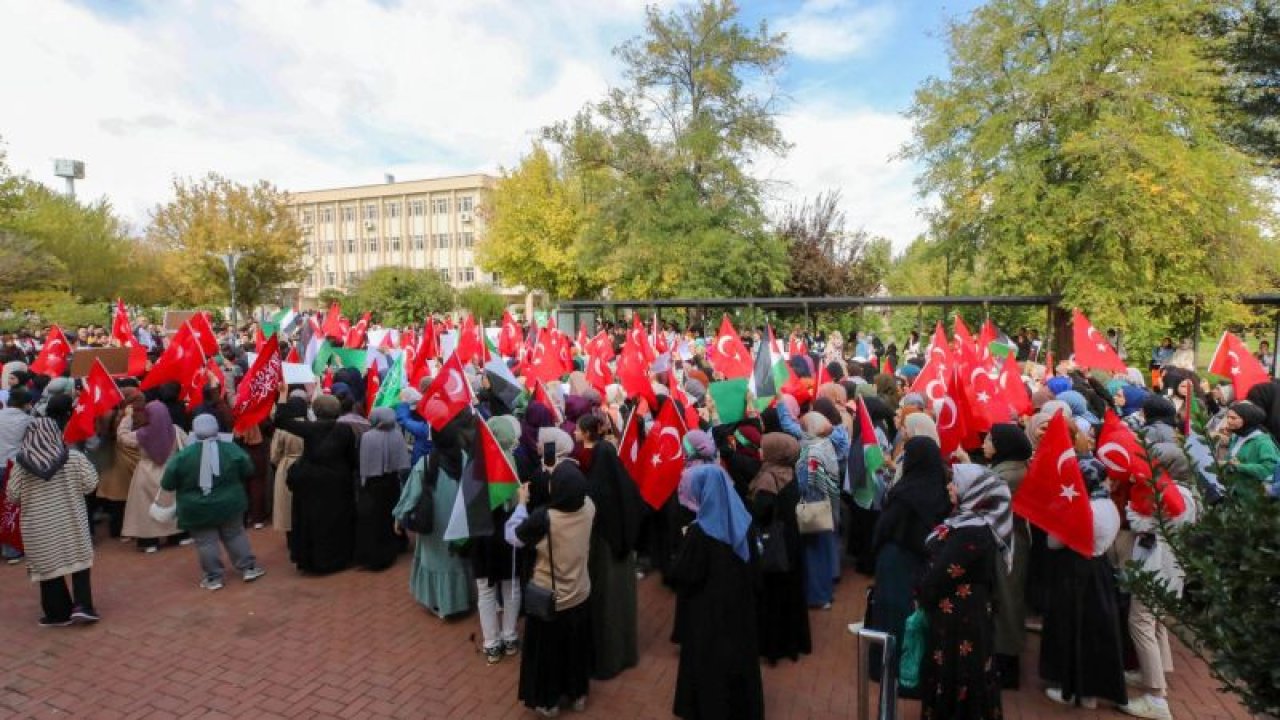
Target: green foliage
<point>1249,45</point>
<point>1076,149</point>
<point>483,302</point>
<point>61,308</point>
<point>666,205</point>
<point>825,259</point>
<point>213,215</point>
<point>401,296</point>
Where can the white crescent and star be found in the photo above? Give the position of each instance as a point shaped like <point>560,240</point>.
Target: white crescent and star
<point>1065,456</point>
<point>1109,447</point>
<point>453,386</point>
<point>1069,492</point>
<point>945,403</point>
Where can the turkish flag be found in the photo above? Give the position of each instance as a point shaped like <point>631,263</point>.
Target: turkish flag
<point>1012,389</point>
<point>332,325</point>
<point>98,397</point>
<point>935,383</point>
<point>293,354</point>
<point>448,394</point>
<point>986,336</point>
<point>540,395</point>
<point>691,419</point>
<point>1092,349</point>
<point>640,337</point>
<point>470,344</point>
<point>1233,360</point>
<point>372,384</point>
<point>633,372</point>
<point>796,346</point>
<point>1119,450</point>
<point>938,348</point>
<point>601,345</point>
<point>181,359</point>
<point>629,448</point>
<point>121,329</point>
<point>661,457</point>
<point>964,339</point>
<point>215,374</point>
<point>1052,496</point>
<point>202,332</point>
<point>545,363</point>
<point>727,354</point>
<point>429,345</point>
<point>510,337</point>
<point>356,335</point>
<point>659,337</point>
<point>258,340</point>
<point>55,354</point>
<point>987,403</point>
<point>563,346</point>
<point>598,373</point>
<point>583,340</point>
<point>258,391</point>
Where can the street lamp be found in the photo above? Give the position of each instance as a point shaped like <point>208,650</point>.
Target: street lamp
<point>231,259</point>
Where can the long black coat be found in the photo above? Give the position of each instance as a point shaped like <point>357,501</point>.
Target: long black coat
<point>323,485</point>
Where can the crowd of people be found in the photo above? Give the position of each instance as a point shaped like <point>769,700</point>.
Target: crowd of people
<point>348,484</point>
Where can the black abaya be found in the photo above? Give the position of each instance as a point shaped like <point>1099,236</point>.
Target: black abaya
<point>323,495</point>
<point>719,673</point>
<point>783,617</point>
<point>376,541</point>
<point>1080,647</point>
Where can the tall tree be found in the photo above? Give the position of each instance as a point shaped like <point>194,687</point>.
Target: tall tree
<point>1075,148</point>
<point>535,218</point>
<point>401,296</point>
<point>1249,31</point>
<point>825,258</point>
<point>213,215</point>
<point>665,160</point>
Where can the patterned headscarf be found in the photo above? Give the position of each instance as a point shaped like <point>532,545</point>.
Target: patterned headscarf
<point>982,499</point>
<point>42,452</point>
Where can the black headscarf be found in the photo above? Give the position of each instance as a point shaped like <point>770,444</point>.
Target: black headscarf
<point>924,480</point>
<point>1010,442</point>
<point>568,488</point>
<point>619,506</point>
<point>1254,417</point>
<point>447,445</point>
<point>1266,397</point>
<point>1158,408</point>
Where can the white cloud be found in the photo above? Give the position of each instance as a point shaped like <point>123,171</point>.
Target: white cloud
<point>321,93</point>
<point>853,150</point>
<point>832,30</point>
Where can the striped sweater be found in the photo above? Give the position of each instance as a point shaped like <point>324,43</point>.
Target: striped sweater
<point>55,529</point>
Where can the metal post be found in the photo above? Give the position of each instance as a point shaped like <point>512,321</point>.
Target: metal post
<point>1195,334</point>
<point>231,259</point>
<point>1275,347</point>
<point>888,674</point>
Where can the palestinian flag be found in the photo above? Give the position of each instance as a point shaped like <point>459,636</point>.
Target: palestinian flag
<point>470,516</point>
<point>503,384</point>
<point>495,466</point>
<point>769,374</point>
<point>872,458</point>
<point>389,392</point>
<point>285,321</point>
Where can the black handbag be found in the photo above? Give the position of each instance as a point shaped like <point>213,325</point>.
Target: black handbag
<point>422,518</point>
<point>773,551</point>
<point>537,601</point>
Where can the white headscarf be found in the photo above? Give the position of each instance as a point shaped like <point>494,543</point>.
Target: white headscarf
<point>205,429</point>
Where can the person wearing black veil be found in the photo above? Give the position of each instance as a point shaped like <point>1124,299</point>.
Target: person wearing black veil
<point>1266,396</point>
<point>619,509</point>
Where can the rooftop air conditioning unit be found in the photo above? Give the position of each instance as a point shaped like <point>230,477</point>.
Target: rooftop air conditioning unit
<point>465,216</point>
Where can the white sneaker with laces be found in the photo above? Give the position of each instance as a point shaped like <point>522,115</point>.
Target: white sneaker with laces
<point>209,584</point>
<point>253,573</point>
<point>1147,706</point>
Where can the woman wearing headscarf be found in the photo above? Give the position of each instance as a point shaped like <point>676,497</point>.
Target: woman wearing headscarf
<point>1080,647</point>
<point>413,423</point>
<point>57,387</point>
<point>322,484</point>
<point>912,508</point>
<point>966,554</point>
<point>157,437</point>
<point>440,580</point>
<point>494,563</point>
<point>207,478</point>
<point>384,459</point>
<point>10,378</point>
<point>1008,451</point>
<point>619,509</point>
<point>715,578</point>
<point>286,449</point>
<point>1079,406</point>
<point>739,447</point>
<point>1252,453</point>
<point>555,663</point>
<point>817,474</point>
<point>783,617</point>
<point>1266,396</point>
<point>1159,420</point>
<point>169,395</point>
<point>48,481</point>
<point>866,493</point>
<point>117,475</point>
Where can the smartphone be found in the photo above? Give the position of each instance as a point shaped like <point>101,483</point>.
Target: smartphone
<point>548,453</point>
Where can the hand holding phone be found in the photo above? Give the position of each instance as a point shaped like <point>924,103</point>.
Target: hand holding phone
<point>549,454</point>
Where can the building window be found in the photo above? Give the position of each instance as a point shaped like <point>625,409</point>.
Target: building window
<point>464,203</point>
<point>417,208</point>
<point>306,247</point>
<point>328,247</point>
<point>373,244</point>
<point>495,278</point>
<point>393,209</point>
<point>466,239</point>
<point>351,246</point>
<point>444,274</point>
<point>348,213</point>
<point>308,216</point>
<point>351,278</point>
<point>395,243</point>
<point>467,275</point>
<point>332,277</point>
<point>442,240</point>
<point>326,215</point>
<point>419,242</point>
<point>370,212</point>
<point>440,206</point>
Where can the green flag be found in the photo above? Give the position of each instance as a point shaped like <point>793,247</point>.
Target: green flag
<point>350,358</point>
<point>324,354</point>
<point>389,392</point>
<point>730,397</point>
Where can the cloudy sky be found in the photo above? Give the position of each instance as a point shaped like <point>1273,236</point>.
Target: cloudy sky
<point>320,93</point>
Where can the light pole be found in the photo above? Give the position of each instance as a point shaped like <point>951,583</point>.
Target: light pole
<point>231,259</point>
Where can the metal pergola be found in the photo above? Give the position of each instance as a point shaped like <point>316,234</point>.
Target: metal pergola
<point>576,310</point>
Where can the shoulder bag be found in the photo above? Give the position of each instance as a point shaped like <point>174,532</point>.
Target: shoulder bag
<point>813,512</point>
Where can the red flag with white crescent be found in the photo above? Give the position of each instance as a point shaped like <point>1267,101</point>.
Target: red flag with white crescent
<point>661,457</point>
<point>258,391</point>
<point>1092,349</point>
<point>1053,496</point>
<point>448,394</point>
<point>1232,359</point>
<point>54,355</point>
<point>727,354</point>
<point>99,396</point>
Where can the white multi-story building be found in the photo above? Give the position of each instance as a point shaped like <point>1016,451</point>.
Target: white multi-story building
<point>422,224</point>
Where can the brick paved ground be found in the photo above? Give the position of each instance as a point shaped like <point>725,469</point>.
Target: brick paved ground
<point>355,645</point>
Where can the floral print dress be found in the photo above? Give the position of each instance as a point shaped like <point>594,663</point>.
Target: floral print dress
<point>957,679</point>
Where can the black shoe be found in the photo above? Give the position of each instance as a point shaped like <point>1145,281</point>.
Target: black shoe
<point>84,616</point>
<point>50,623</point>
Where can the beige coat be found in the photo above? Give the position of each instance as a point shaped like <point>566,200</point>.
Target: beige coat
<point>116,479</point>
<point>286,448</point>
<point>144,487</point>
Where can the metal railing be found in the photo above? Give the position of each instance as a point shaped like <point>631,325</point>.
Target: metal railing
<point>888,709</point>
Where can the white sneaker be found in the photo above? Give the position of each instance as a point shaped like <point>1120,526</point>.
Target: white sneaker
<point>185,542</point>
<point>208,584</point>
<point>1147,706</point>
<point>1055,694</point>
<point>253,573</point>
